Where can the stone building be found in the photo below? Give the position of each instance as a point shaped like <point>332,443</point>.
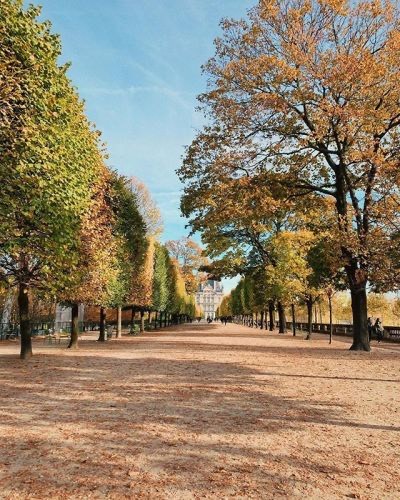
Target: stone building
<point>209,297</point>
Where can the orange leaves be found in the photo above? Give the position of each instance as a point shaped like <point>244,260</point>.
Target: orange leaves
<point>142,279</point>
<point>337,6</point>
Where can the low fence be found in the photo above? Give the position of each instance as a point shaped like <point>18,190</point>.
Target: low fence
<point>391,332</point>
<point>11,330</point>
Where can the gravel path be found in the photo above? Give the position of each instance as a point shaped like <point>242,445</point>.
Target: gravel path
<point>200,411</point>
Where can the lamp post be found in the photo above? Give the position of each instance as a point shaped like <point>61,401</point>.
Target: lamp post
<point>293,319</point>
<point>329,293</point>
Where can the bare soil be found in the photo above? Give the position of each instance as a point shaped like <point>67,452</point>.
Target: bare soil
<point>200,411</point>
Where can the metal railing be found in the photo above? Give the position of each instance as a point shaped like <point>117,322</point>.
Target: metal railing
<point>391,332</point>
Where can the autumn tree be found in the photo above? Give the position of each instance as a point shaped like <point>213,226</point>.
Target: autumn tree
<point>111,247</point>
<point>141,295</point>
<point>225,308</point>
<point>190,258</point>
<point>308,92</point>
<point>50,159</point>
<point>147,208</point>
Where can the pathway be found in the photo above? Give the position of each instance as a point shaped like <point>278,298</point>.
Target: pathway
<point>200,411</point>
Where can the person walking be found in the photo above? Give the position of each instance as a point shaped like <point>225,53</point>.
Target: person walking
<point>379,329</point>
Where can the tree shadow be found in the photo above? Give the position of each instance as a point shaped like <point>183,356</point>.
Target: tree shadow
<point>64,412</point>
<point>113,422</point>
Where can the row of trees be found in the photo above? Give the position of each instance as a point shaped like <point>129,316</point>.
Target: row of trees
<point>294,181</point>
<point>243,305</point>
<point>71,229</point>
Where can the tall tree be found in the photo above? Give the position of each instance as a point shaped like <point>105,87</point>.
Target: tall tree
<point>308,91</point>
<point>190,258</point>
<point>50,159</point>
<point>160,279</point>
<point>147,207</point>
<point>111,247</point>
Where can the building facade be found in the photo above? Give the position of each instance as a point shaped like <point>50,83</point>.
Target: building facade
<point>209,297</point>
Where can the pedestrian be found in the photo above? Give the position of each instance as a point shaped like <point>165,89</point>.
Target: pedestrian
<point>379,329</point>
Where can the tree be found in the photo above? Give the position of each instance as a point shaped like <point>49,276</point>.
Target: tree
<point>308,92</point>
<point>148,209</point>
<point>160,280</point>
<point>225,308</point>
<point>141,296</point>
<point>191,260</point>
<point>51,157</point>
<point>142,284</point>
<point>111,247</point>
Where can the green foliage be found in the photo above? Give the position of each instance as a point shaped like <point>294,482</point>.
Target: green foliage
<point>129,232</point>
<point>49,155</point>
<point>160,278</point>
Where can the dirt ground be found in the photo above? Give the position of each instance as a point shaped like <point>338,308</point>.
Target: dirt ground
<point>200,411</point>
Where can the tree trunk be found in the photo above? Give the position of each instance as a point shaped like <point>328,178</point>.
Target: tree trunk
<point>73,342</point>
<point>309,317</point>
<point>356,275</point>
<point>25,326</point>
<point>102,334</point>
<point>282,318</point>
<point>133,320</point>
<point>156,320</point>
<point>271,311</point>
<point>360,318</point>
<point>119,322</point>
<point>142,321</point>
<point>294,320</point>
<point>262,319</point>
<point>330,320</point>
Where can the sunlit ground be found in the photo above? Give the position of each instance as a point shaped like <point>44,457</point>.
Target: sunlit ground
<point>200,411</point>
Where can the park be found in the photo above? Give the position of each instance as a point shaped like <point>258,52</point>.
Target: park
<point>199,249</point>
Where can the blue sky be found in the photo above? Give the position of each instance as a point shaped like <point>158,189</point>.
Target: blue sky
<point>137,65</point>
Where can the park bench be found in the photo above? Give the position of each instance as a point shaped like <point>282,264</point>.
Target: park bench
<point>392,333</point>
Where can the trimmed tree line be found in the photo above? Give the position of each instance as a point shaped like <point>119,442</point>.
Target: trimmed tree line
<point>71,229</point>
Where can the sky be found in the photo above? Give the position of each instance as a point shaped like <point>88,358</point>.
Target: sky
<point>137,65</point>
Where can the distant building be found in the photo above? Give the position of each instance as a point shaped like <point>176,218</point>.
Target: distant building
<point>209,297</point>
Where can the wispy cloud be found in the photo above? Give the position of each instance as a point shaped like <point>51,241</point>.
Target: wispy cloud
<point>174,95</point>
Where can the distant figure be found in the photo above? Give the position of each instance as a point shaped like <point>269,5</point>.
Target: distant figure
<point>209,320</point>
<point>198,319</point>
<point>379,329</point>
<point>225,320</point>
<point>370,326</point>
